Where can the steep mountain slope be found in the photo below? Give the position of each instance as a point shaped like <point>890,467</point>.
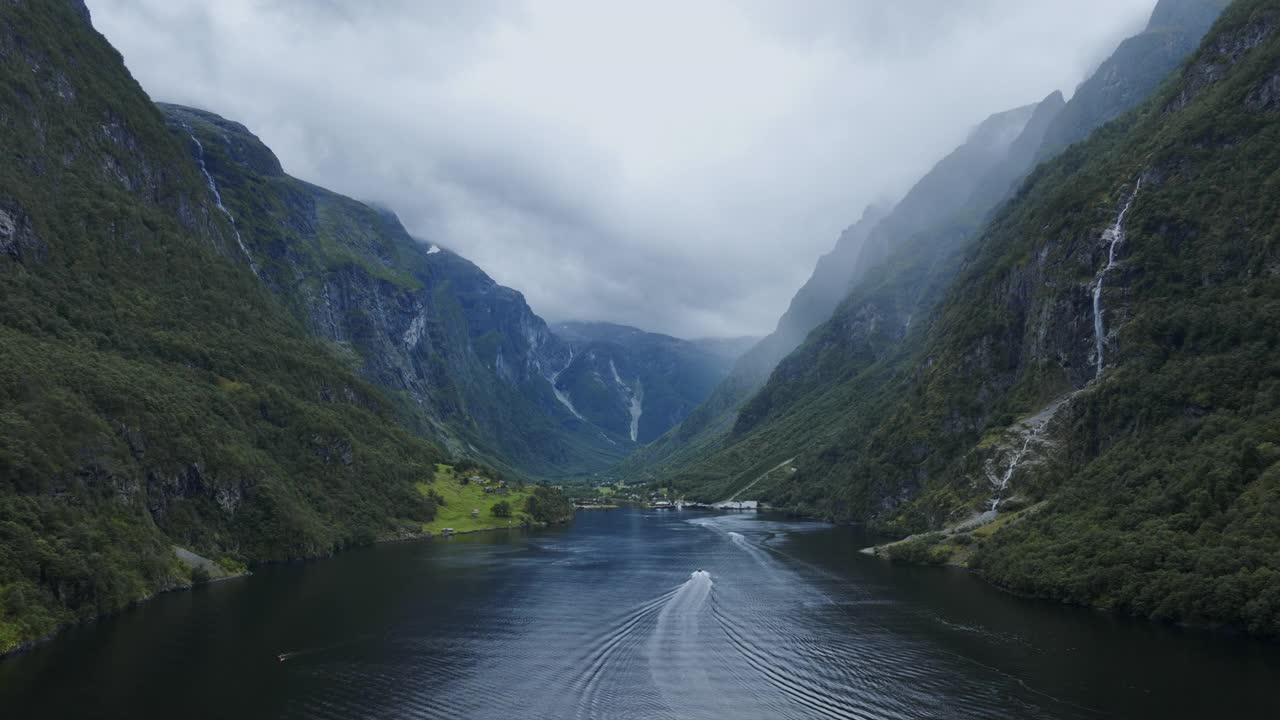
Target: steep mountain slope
<point>1095,389</point>
<point>943,198</point>
<point>898,277</point>
<point>1133,71</point>
<point>152,392</point>
<point>825,288</point>
<point>468,357</point>
<point>999,182</point>
<point>946,191</point>
<point>634,384</point>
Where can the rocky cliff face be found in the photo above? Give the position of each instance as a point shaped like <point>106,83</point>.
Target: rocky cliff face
<point>1133,71</point>
<point>1142,273</point>
<point>472,360</point>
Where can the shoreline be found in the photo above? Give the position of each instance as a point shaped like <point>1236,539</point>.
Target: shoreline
<point>875,551</point>
<point>959,560</point>
<point>28,645</point>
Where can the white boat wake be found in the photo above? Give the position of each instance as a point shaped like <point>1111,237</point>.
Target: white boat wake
<point>678,658</point>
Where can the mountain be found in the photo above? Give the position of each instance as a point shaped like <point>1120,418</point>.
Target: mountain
<point>206,363</point>
<point>152,392</point>
<point>634,384</point>
<point>1079,402</point>
<point>913,251</point>
<point>1133,71</point>
<point>815,300</point>
<point>1000,181</point>
<point>943,197</point>
<point>468,358</point>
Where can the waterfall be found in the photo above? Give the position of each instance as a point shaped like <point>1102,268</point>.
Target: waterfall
<point>635,399</point>
<point>563,397</point>
<point>1030,429</point>
<point>217,199</point>
<point>1114,235</point>
<point>637,407</point>
<point>1002,483</point>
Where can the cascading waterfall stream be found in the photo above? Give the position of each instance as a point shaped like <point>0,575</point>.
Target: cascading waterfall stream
<point>635,399</point>
<point>217,199</point>
<point>562,396</point>
<point>1002,483</point>
<point>1031,429</point>
<point>1114,235</point>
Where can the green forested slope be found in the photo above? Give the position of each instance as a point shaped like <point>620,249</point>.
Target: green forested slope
<point>1166,501</point>
<point>905,261</point>
<point>910,245</point>
<point>151,391</point>
<point>1149,486</point>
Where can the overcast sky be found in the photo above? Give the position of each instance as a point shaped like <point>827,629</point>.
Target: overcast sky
<point>677,165</point>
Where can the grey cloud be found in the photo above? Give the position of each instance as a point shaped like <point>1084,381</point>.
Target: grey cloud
<point>676,166</point>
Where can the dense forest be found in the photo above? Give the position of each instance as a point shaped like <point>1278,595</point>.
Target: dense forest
<point>153,391</point>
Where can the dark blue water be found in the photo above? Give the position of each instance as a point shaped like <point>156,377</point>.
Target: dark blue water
<point>631,614</point>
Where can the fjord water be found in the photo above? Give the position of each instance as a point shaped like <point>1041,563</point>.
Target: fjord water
<point>631,614</point>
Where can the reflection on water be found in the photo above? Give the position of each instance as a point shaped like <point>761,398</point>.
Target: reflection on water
<point>631,614</point>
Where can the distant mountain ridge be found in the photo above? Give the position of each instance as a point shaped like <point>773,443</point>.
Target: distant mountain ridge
<point>478,368</point>
<point>638,384</point>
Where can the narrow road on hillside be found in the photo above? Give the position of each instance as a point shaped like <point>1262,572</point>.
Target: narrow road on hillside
<point>763,475</point>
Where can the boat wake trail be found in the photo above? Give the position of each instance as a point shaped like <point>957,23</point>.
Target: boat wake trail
<point>793,684</point>
<point>287,656</point>
<point>754,551</point>
<point>678,657</point>
<point>611,653</point>
<point>775,571</point>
